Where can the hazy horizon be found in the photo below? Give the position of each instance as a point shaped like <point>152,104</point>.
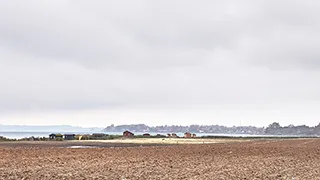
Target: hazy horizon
<point>102,127</point>
<point>92,64</point>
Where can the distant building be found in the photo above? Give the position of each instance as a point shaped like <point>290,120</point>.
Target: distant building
<point>187,135</point>
<point>52,136</point>
<point>55,136</point>
<point>194,135</point>
<point>146,135</point>
<point>127,134</point>
<point>174,135</point>
<point>69,136</point>
<point>169,135</point>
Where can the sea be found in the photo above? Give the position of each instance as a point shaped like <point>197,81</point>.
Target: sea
<point>26,134</point>
<point>20,135</point>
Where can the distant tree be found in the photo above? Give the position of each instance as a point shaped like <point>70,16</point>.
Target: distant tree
<point>194,128</point>
<point>273,128</point>
<point>291,126</point>
<point>316,129</point>
<point>274,125</point>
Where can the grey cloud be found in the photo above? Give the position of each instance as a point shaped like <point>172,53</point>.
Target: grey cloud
<point>127,35</point>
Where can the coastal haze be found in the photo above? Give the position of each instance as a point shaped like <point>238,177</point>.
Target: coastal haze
<point>171,89</point>
<point>159,63</point>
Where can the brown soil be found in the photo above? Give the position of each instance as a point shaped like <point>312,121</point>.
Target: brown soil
<point>66,144</point>
<point>264,159</point>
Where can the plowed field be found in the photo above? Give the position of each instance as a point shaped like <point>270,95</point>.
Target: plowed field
<point>263,159</point>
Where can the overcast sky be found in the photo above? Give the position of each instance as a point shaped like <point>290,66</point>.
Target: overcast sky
<point>159,62</point>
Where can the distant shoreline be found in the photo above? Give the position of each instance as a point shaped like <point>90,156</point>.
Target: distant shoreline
<point>274,129</point>
<point>138,135</point>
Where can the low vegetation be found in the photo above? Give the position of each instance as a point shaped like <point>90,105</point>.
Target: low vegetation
<point>5,139</point>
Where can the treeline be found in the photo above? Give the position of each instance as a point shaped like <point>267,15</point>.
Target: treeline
<point>276,129</point>
<point>273,129</point>
<point>4,139</point>
<point>182,129</point>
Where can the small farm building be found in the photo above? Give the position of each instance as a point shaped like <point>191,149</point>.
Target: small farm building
<point>174,135</point>
<point>69,136</point>
<point>146,135</point>
<point>55,136</point>
<point>187,135</point>
<point>128,134</point>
